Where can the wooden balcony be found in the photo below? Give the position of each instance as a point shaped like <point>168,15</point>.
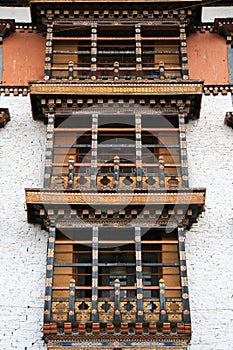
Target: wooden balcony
<point>128,310</point>
<point>105,181</point>
<point>128,314</point>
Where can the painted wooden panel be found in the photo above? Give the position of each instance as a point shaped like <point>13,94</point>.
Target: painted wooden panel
<point>170,275</point>
<point>207,58</point>
<point>23,58</point>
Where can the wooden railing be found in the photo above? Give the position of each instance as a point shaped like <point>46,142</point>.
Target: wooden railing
<point>117,309</point>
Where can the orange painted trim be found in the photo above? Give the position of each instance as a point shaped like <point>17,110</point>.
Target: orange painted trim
<point>208,58</point>
<point>23,58</point>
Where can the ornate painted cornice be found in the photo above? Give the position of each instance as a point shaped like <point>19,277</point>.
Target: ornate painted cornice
<point>222,89</point>
<point>182,205</point>
<point>142,88</point>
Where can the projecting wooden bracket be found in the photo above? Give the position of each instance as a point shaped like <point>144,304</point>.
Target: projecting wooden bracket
<point>229,119</point>
<point>4,116</point>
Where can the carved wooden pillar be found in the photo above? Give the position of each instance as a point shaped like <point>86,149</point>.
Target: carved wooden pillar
<point>49,148</point>
<point>94,145</point>
<point>138,126</point>
<point>71,314</point>
<point>117,298</point>
<point>95,240</point>
<point>138,56</point>
<point>162,299</point>
<point>139,292</point>
<point>116,71</point>
<point>49,274</point>
<point>116,173</point>
<point>183,148</point>
<point>71,70</point>
<point>183,51</point>
<point>93,51</point>
<point>71,172</point>
<point>183,276</point>
<point>161,172</point>
<point>48,52</point>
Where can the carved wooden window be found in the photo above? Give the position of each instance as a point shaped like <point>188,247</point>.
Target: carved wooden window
<point>71,47</point>
<point>161,51</point>
<point>98,148</point>
<point>110,51</point>
<point>116,256</point>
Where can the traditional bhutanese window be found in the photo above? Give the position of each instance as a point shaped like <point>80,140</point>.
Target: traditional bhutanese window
<point>72,147</point>
<point>160,149</point>
<point>138,259</point>
<point>160,51</point>
<point>118,149</point>
<point>107,51</point>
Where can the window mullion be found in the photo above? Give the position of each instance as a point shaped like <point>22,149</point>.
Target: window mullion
<point>138,127</point>
<point>48,52</point>
<point>49,149</point>
<point>183,148</point>
<point>183,52</point>
<point>139,292</point>
<point>138,51</point>
<point>94,137</point>
<point>183,276</point>
<point>49,274</point>
<point>93,51</point>
<point>95,239</point>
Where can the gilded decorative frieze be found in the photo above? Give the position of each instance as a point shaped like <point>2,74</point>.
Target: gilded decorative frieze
<point>117,89</point>
<point>58,197</point>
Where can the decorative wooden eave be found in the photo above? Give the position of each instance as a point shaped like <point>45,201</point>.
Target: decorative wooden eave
<point>183,204</point>
<point>224,26</point>
<point>41,9</point>
<point>14,3</point>
<point>7,26</point>
<point>217,3</point>
<point>4,116</point>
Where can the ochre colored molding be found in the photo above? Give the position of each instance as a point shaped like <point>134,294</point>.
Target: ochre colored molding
<point>182,196</point>
<point>24,90</point>
<point>117,89</point>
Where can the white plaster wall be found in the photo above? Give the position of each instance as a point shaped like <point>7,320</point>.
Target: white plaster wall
<point>210,13</point>
<point>209,243</point>
<point>20,14</point>
<point>22,246</point>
